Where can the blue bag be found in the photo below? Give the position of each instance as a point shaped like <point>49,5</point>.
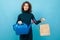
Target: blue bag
<point>21,29</point>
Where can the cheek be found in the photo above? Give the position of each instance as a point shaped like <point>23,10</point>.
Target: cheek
<point>26,7</point>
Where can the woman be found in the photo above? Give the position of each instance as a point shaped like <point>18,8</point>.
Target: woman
<point>25,17</point>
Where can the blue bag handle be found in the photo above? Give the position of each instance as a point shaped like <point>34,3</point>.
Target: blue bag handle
<point>15,26</point>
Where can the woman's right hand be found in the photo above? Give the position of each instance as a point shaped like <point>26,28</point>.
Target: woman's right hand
<point>19,22</point>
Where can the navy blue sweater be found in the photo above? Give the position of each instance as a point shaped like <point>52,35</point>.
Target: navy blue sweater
<point>26,17</point>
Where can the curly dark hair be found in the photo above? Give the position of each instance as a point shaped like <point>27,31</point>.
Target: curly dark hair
<point>30,8</point>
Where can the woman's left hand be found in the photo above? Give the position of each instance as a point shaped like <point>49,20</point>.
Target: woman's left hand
<point>42,19</point>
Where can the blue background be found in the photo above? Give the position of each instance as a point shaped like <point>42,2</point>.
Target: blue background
<point>49,9</point>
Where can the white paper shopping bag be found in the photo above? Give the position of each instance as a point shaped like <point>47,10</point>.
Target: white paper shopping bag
<point>44,30</point>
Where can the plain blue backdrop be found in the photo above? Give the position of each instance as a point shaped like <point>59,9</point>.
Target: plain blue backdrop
<point>49,9</point>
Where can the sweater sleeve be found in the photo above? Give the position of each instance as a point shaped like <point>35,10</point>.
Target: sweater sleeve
<point>19,18</point>
<point>34,20</point>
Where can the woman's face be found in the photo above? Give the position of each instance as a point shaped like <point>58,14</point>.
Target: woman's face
<point>26,7</point>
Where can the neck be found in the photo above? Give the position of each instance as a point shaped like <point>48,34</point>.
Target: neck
<point>26,12</point>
